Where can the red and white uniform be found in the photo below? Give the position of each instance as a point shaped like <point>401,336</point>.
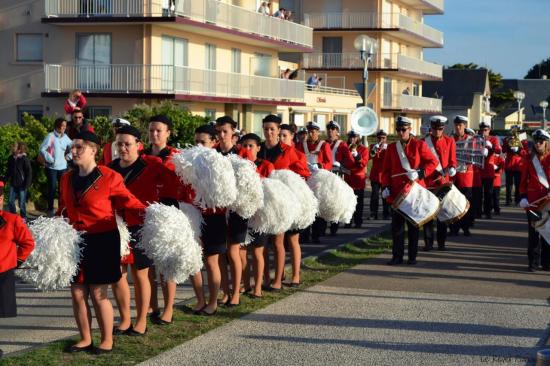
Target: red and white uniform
<point>530,186</point>
<point>358,169</point>
<point>419,156</point>
<point>340,152</point>
<point>285,157</point>
<point>499,163</point>
<point>317,152</point>
<point>377,163</point>
<point>513,159</point>
<point>16,242</point>
<point>488,170</point>
<point>445,148</point>
<point>464,179</point>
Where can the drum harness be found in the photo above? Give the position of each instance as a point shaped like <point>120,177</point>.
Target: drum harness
<point>340,169</point>
<point>312,157</point>
<point>431,146</point>
<point>541,177</point>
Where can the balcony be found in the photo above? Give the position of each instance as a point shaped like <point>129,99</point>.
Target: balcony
<point>426,70</point>
<point>207,14</point>
<point>331,91</point>
<point>418,29</point>
<point>427,6</point>
<point>179,82</point>
<point>411,103</point>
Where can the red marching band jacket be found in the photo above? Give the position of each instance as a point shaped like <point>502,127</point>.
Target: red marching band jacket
<point>377,156</point>
<point>464,179</point>
<point>324,157</point>
<point>514,160</point>
<point>358,169</point>
<point>16,242</point>
<point>419,156</point>
<point>499,162</point>
<point>445,148</point>
<point>286,157</point>
<point>530,186</point>
<point>488,170</point>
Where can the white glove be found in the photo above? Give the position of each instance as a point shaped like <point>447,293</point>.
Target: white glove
<point>385,193</point>
<point>488,144</point>
<point>452,172</point>
<point>485,152</point>
<point>495,166</point>
<point>412,175</point>
<point>377,146</point>
<point>313,167</point>
<point>514,149</point>
<point>354,153</point>
<point>384,146</point>
<point>524,203</point>
<point>336,164</point>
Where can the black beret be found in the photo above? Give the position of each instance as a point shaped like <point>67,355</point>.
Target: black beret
<point>226,120</point>
<point>208,129</point>
<point>252,136</point>
<point>162,119</point>
<point>88,136</point>
<point>287,127</point>
<point>272,118</point>
<point>381,133</point>
<point>129,130</point>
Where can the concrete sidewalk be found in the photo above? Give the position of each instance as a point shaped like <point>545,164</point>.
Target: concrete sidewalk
<point>474,304</point>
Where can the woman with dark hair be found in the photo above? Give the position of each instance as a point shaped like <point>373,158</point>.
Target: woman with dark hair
<point>19,176</point>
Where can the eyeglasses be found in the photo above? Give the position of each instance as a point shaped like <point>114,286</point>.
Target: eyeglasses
<point>78,147</point>
<point>539,141</point>
<point>401,129</point>
<point>124,144</point>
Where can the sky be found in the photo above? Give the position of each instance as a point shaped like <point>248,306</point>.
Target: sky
<point>507,36</point>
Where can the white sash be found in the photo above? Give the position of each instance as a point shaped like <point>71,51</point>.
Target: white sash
<point>312,158</point>
<point>114,151</point>
<point>335,149</point>
<point>430,143</point>
<point>540,172</point>
<point>402,157</point>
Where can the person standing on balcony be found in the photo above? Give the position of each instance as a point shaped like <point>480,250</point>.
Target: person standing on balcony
<point>264,8</point>
<point>53,152</point>
<point>312,82</point>
<point>280,13</point>
<point>75,102</point>
<point>19,175</point>
<point>377,154</point>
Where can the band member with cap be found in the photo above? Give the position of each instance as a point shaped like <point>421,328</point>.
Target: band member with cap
<point>357,176</point>
<point>497,183</point>
<point>301,136</point>
<point>492,147</point>
<point>282,156</point>
<point>110,152</point>
<point>16,244</point>
<point>444,149</point>
<point>406,160</point>
<point>464,178</point>
<point>89,196</point>
<point>377,155</point>
<point>515,151</point>
<point>534,189</point>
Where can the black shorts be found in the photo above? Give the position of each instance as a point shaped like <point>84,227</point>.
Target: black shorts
<point>259,240</point>
<point>237,228</point>
<point>141,260</point>
<point>214,235</point>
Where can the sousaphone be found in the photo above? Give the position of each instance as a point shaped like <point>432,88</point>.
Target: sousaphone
<point>364,121</point>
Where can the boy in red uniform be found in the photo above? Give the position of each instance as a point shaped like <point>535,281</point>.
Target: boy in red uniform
<point>499,167</point>
<point>512,165</point>
<point>357,176</point>
<point>492,147</point>
<point>377,155</point>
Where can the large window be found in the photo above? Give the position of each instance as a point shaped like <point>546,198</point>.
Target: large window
<point>93,56</point>
<point>341,119</point>
<point>34,110</point>
<point>97,111</point>
<point>387,101</point>
<point>236,60</point>
<point>175,53</point>
<point>28,47</point>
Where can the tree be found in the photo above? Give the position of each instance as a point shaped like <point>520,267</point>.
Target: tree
<point>542,68</point>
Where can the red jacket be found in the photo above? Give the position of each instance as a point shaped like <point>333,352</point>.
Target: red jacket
<point>377,156</point>
<point>264,167</point>
<point>174,189</point>
<point>419,156</point>
<point>81,103</point>
<point>488,168</point>
<point>514,159</point>
<point>342,153</point>
<point>358,169</point>
<point>94,211</point>
<point>445,148</point>
<point>324,158</point>
<point>16,242</point>
<point>530,186</point>
<point>499,162</point>
<point>464,179</point>
<point>285,157</point>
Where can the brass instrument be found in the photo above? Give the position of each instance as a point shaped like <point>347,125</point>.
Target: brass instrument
<point>364,121</point>
<point>515,139</point>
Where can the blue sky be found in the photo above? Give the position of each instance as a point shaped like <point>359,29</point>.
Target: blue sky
<point>507,36</point>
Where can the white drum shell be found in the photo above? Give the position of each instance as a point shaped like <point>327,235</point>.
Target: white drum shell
<point>419,205</point>
<point>453,206</point>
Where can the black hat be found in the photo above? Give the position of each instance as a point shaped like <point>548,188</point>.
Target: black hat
<point>272,118</point>
<point>438,121</point>
<point>402,121</point>
<point>311,125</point>
<point>381,133</point>
<point>88,136</point>
<point>252,136</point>
<point>287,127</point>
<point>162,119</point>
<point>333,125</point>
<point>129,130</point>
<point>226,120</point>
<point>208,128</point>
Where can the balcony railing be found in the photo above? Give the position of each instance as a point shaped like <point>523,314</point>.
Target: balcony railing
<point>420,29</point>
<point>411,103</point>
<point>427,6</point>
<point>168,79</point>
<point>348,60</point>
<point>420,67</point>
<point>205,11</point>
<point>331,91</point>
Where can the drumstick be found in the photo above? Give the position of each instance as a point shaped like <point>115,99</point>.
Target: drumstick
<point>405,173</point>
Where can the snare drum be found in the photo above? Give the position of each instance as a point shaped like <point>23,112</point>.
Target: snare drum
<point>543,227</point>
<point>454,205</point>
<point>417,204</point>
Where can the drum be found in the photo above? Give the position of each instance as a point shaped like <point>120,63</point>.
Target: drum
<point>541,205</point>
<point>417,204</point>
<point>454,205</point>
<point>543,227</point>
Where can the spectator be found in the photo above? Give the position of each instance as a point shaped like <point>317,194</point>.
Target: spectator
<point>264,8</point>
<point>289,15</point>
<point>280,13</point>
<point>53,151</point>
<point>19,176</point>
<point>312,82</point>
<point>270,8</point>
<point>293,75</point>
<point>75,102</point>
<point>78,124</point>
<point>407,91</point>
<point>285,74</point>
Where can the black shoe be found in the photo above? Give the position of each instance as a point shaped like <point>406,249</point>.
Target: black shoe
<point>532,269</point>
<point>546,268</point>
<point>272,289</point>
<point>199,311</point>
<point>497,213</point>
<point>159,321</point>
<point>467,232</point>
<point>358,226</point>
<point>233,305</point>
<point>1,353</point>
<point>441,247</point>
<point>411,262</point>
<point>101,351</point>
<point>394,261</point>
<point>134,333</point>
<point>75,349</point>
<point>316,241</point>
<point>154,315</point>
<point>427,248</point>
<point>386,217</point>
<point>347,226</point>
<point>205,313</point>
<point>488,216</point>
<point>118,331</point>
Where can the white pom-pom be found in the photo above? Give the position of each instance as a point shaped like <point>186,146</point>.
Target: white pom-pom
<point>250,196</point>
<point>279,210</point>
<point>168,238</point>
<point>209,173</point>
<point>124,234</point>
<point>195,218</point>
<point>337,200</point>
<point>56,256</point>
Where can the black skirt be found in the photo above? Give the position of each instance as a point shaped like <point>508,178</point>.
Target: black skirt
<point>141,260</point>
<point>8,306</point>
<point>100,263</point>
<point>237,228</point>
<point>214,239</point>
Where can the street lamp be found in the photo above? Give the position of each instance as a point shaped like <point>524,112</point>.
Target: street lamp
<point>543,105</point>
<point>520,96</point>
<point>367,47</point>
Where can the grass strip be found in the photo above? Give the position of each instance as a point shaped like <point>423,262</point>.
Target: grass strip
<point>185,326</point>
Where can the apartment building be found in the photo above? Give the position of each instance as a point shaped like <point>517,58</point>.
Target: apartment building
<point>212,57</point>
<point>397,69</point>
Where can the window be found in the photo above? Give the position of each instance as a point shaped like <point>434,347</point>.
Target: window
<point>93,55</point>
<point>263,65</point>
<point>236,60</point>
<point>387,100</point>
<point>341,120</point>
<point>321,119</point>
<point>97,111</point>
<point>34,110</point>
<point>29,47</point>
<point>175,53</point>
<point>210,53</point>
<point>210,114</point>
<point>299,119</point>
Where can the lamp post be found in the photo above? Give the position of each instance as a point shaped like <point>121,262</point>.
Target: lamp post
<point>543,105</point>
<point>367,47</point>
<point>520,96</point>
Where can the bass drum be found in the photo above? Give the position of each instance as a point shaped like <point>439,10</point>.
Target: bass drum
<point>417,204</point>
<point>454,205</point>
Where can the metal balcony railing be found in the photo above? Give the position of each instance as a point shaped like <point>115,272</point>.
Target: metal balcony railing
<point>411,103</point>
<point>168,79</point>
<point>331,91</point>
<point>348,60</point>
<point>420,67</point>
<point>206,11</point>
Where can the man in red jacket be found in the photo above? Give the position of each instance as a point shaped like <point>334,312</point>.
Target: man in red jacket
<point>444,149</point>
<point>395,177</point>
<point>492,147</point>
<point>16,244</point>
<point>377,155</point>
<point>357,176</point>
<point>512,164</point>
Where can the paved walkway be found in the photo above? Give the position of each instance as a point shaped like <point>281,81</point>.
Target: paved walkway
<point>474,304</point>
